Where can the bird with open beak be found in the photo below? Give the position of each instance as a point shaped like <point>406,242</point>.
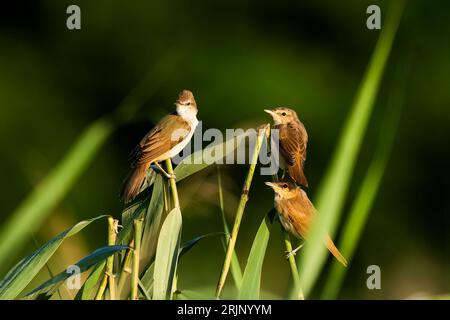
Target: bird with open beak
<point>164,141</point>
<point>296,213</point>
<point>293,140</point>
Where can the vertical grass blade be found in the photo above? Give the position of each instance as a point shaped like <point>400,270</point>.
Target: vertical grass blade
<point>367,193</point>
<point>167,255</point>
<point>334,188</point>
<point>251,280</point>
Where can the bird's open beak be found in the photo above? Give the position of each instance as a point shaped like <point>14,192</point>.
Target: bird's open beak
<point>270,184</point>
<point>269,112</point>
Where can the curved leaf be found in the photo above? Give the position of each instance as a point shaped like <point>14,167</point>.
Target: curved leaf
<point>24,271</point>
<point>48,288</point>
<point>166,259</point>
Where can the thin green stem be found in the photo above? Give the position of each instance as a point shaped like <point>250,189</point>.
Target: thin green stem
<point>294,271</point>
<point>240,210</point>
<point>236,271</point>
<point>173,184</point>
<point>126,267</point>
<point>136,251</point>
<point>101,288</point>
<point>112,235</point>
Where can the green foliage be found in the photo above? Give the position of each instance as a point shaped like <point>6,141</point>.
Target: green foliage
<point>48,288</point>
<point>367,193</point>
<point>334,188</point>
<point>166,259</point>
<point>251,280</point>
<point>20,276</point>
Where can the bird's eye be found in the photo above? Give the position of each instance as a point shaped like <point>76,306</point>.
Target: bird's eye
<point>285,186</point>
<point>188,103</point>
<point>283,114</point>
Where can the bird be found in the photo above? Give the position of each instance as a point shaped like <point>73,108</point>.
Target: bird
<point>170,135</point>
<point>293,140</point>
<point>296,213</point>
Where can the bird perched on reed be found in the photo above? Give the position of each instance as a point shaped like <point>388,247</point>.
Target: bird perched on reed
<point>293,140</point>
<point>164,141</point>
<point>296,213</point>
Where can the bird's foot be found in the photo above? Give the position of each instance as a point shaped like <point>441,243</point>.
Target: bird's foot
<point>158,169</point>
<point>292,253</point>
<point>289,254</point>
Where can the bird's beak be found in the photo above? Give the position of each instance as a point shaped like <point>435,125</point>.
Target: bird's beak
<point>270,112</point>
<point>270,184</point>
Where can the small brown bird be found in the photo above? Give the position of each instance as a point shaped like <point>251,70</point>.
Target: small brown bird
<point>293,140</point>
<point>163,142</point>
<point>296,213</point>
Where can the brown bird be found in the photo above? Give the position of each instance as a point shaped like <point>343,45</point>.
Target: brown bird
<point>296,213</point>
<point>163,142</point>
<point>293,140</point>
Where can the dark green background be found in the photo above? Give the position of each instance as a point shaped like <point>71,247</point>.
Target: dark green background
<point>237,58</point>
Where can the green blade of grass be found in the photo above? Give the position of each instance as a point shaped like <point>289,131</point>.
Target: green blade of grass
<point>20,276</point>
<point>87,290</point>
<point>367,193</point>
<point>48,288</point>
<point>166,259</point>
<point>152,223</point>
<point>334,187</point>
<point>251,280</point>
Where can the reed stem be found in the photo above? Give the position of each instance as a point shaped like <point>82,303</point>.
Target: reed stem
<point>112,235</point>
<point>173,184</point>
<point>136,251</point>
<point>240,210</point>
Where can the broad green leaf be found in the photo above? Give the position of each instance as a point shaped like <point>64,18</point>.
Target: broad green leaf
<point>152,223</point>
<point>87,290</point>
<point>125,234</point>
<point>146,282</point>
<point>48,288</point>
<point>251,280</point>
<point>166,259</point>
<point>334,187</point>
<point>21,275</point>
<point>195,162</point>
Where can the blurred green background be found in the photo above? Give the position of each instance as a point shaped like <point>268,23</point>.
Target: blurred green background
<point>237,58</point>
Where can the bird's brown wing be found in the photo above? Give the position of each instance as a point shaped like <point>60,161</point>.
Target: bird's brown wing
<point>170,131</point>
<point>293,141</point>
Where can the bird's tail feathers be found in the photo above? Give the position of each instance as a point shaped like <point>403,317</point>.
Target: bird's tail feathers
<point>133,182</point>
<point>296,173</point>
<point>335,252</point>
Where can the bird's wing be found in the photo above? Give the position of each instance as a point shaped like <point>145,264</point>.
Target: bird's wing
<point>293,141</point>
<point>170,131</point>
